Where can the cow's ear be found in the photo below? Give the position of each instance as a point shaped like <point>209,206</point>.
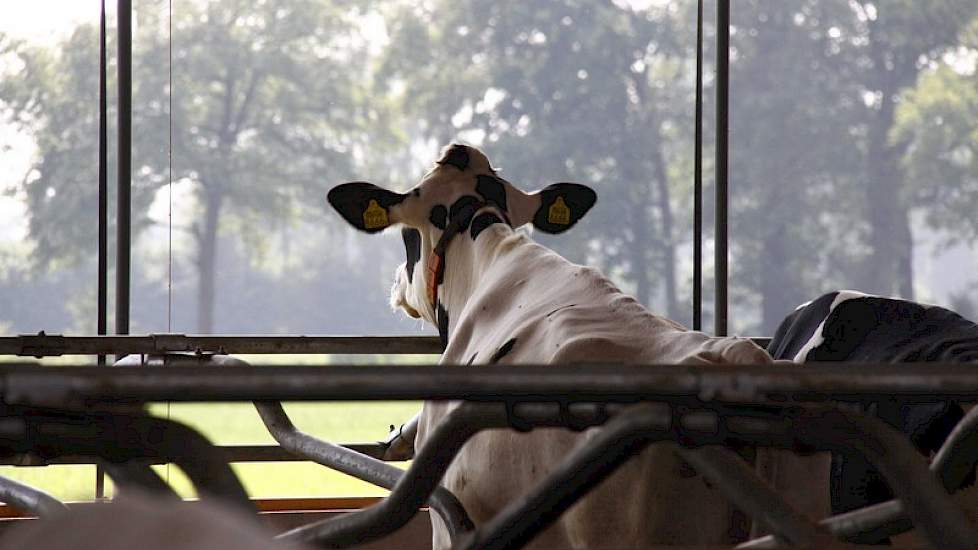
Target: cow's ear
<point>555,208</point>
<point>365,206</point>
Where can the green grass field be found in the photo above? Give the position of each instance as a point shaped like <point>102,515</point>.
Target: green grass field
<point>238,423</point>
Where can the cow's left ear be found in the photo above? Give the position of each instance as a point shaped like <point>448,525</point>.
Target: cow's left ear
<point>555,208</point>
<point>366,206</point>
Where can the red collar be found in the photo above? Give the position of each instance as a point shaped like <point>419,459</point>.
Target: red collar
<point>436,260</point>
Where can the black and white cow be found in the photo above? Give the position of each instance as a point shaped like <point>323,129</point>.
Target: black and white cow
<point>498,298</point>
<point>855,327</point>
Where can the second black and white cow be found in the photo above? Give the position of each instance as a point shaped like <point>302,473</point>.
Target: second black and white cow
<point>498,298</point>
<point>854,327</point>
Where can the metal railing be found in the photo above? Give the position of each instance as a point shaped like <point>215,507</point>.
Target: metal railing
<point>693,406</point>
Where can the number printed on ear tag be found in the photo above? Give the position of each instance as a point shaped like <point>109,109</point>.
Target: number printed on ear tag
<point>559,213</point>
<point>375,216</point>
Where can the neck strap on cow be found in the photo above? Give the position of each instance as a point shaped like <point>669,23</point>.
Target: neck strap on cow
<point>436,261</point>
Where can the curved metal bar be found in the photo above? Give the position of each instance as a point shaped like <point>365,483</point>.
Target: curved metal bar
<point>413,488</point>
<point>929,506</point>
<point>959,453</point>
<point>431,462</point>
<point>618,441</point>
<point>951,464</point>
<point>921,497</point>
<point>357,465</point>
<point>193,454</point>
<point>129,474</point>
<point>749,492</point>
<point>120,437</point>
<point>29,499</point>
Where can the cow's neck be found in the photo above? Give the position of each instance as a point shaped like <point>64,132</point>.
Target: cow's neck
<point>465,262</point>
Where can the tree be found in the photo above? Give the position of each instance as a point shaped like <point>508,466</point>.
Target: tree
<point>264,112</point>
<point>937,124</point>
<point>585,91</point>
<point>822,201</point>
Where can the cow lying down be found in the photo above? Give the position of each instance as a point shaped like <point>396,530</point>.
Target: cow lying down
<point>499,298</point>
<point>860,328</point>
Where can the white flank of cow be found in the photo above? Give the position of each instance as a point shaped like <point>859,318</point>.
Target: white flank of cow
<point>507,300</point>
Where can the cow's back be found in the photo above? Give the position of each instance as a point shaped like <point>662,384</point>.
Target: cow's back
<point>534,307</point>
<point>847,326</point>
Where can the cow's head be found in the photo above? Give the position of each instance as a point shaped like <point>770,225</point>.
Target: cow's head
<point>460,197</point>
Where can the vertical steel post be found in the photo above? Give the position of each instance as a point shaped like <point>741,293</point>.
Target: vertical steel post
<point>103,212</point>
<point>722,100</point>
<point>123,204</point>
<point>698,178</point>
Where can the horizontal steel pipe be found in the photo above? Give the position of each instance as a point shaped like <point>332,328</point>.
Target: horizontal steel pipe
<point>29,499</point>
<point>192,379</point>
<point>52,345</point>
<point>362,467</point>
<point>226,453</point>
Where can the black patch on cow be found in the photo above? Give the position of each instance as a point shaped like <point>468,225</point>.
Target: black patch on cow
<point>481,222</point>
<point>439,217</point>
<point>456,209</point>
<point>457,156</point>
<point>412,246</point>
<point>502,351</point>
<point>472,359</point>
<point>352,199</point>
<point>882,330</point>
<point>578,198</point>
<point>492,190</point>
<point>799,327</point>
<point>442,324</point>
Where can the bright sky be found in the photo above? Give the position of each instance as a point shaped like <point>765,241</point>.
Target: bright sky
<point>43,21</point>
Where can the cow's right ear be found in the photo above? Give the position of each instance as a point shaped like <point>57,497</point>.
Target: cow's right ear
<point>365,206</point>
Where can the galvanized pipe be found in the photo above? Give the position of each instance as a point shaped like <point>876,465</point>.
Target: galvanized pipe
<point>191,379</point>
<point>722,149</point>
<point>124,184</point>
<point>412,489</point>
<point>117,438</point>
<point>29,499</point>
<point>617,442</point>
<point>53,345</point>
<point>431,462</point>
<point>959,453</point>
<point>751,494</point>
<point>698,176</point>
<point>357,465</point>
<point>929,506</point>
<point>140,475</point>
<point>956,458</point>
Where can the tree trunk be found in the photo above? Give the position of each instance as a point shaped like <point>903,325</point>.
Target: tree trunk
<point>207,261</point>
<point>889,270</point>
<point>667,225</point>
<point>639,252</point>
<point>778,290</point>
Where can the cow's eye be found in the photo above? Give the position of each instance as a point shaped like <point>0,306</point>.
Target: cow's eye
<point>412,246</point>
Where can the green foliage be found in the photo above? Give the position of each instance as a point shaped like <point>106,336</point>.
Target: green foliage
<point>938,121</point>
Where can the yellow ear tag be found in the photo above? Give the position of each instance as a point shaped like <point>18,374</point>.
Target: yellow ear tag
<point>375,216</point>
<point>559,213</point>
